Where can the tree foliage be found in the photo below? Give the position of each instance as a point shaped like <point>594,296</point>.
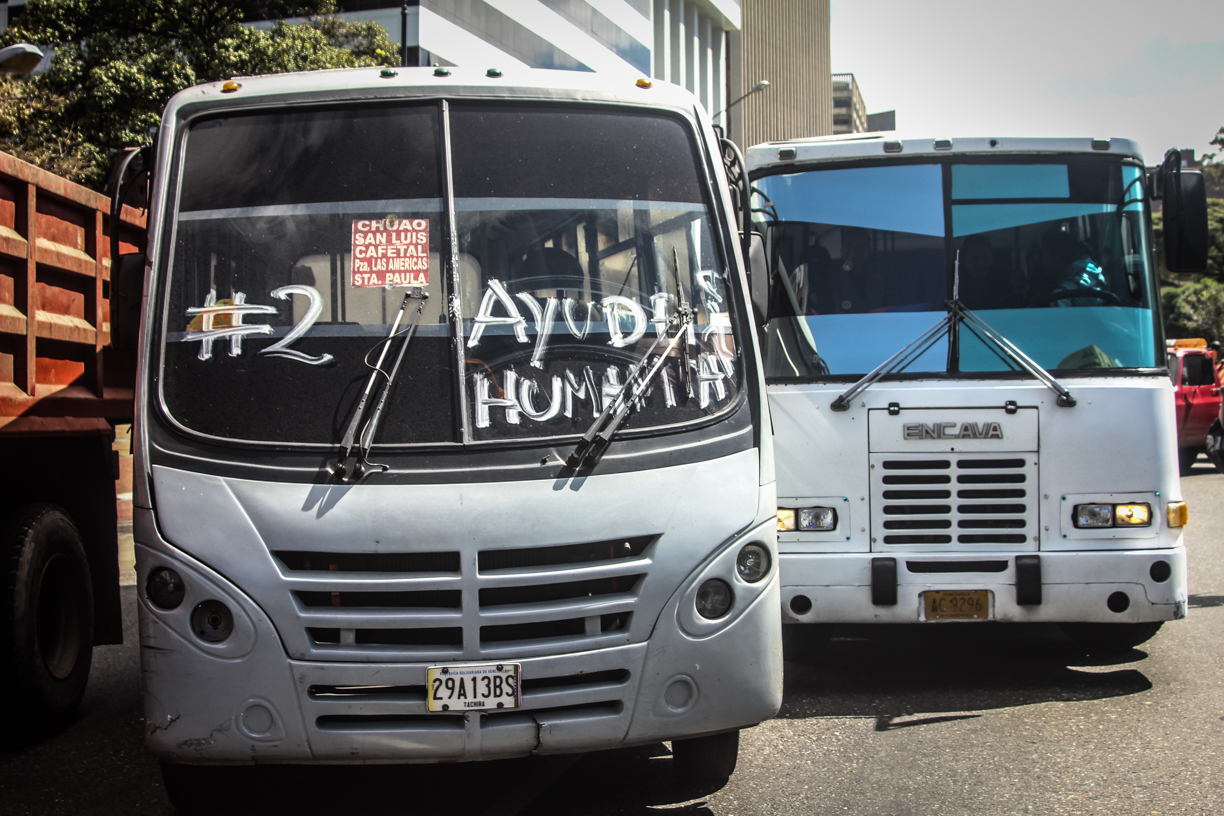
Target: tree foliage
<point>1194,310</point>
<point>117,63</point>
<point>1213,163</point>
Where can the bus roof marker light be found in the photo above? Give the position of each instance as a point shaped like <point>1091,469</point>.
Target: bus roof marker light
<point>1100,144</point>
<point>786,154</point>
<point>893,147</point>
<point>388,73</point>
<point>495,73</point>
<point>943,144</point>
<point>440,71</point>
<point>230,86</point>
<point>643,82</point>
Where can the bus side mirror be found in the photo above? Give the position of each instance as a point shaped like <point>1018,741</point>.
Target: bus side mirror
<point>1185,224</point>
<point>758,277</point>
<point>127,290</point>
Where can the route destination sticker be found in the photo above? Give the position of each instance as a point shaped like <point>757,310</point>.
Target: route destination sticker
<point>390,251</point>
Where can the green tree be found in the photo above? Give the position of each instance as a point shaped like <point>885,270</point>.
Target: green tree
<point>1213,163</point>
<point>1194,310</point>
<point>117,63</point>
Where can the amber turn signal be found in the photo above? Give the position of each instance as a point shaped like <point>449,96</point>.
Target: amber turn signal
<point>1178,514</point>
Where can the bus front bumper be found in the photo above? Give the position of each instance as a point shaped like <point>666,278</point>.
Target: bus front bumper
<point>249,703</point>
<point>1072,586</point>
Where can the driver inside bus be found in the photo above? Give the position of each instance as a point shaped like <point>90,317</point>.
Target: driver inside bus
<point>851,283</point>
<point>1068,267</point>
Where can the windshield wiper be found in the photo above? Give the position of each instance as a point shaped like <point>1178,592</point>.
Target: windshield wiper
<point>957,314</point>
<point>350,434</point>
<point>371,427</point>
<point>595,441</point>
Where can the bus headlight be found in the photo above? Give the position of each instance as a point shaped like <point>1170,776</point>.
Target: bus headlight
<point>1096,516</point>
<point>713,599</point>
<point>807,519</point>
<point>1132,515</point>
<point>1093,515</point>
<point>752,563</point>
<point>165,588</point>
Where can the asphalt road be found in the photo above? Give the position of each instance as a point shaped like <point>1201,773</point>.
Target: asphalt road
<point>972,719</point>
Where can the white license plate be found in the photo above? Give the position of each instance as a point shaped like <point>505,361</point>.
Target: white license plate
<point>467,688</point>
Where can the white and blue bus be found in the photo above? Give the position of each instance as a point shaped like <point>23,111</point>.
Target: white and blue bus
<point>968,385</point>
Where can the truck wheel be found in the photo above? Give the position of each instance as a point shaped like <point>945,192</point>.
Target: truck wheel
<point>1111,637</point>
<point>805,642</point>
<point>47,620</point>
<point>1215,445</point>
<point>707,762</point>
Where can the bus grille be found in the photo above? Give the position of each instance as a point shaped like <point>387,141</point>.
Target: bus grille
<point>492,603</point>
<point>935,501</point>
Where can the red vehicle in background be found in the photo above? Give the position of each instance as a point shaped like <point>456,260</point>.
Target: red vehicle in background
<point>1196,381</point>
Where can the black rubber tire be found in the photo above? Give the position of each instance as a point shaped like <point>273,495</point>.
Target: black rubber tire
<point>47,619</point>
<point>197,789</point>
<point>1186,458</point>
<point>707,762</point>
<point>1102,638</point>
<point>1215,445</point>
<point>804,643</point>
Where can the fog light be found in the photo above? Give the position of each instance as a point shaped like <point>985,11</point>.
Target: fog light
<point>165,589</point>
<point>713,599</point>
<point>786,520</point>
<point>1093,515</point>
<point>1179,514</point>
<point>819,519</point>
<point>1132,515</point>
<point>212,621</point>
<point>752,563</point>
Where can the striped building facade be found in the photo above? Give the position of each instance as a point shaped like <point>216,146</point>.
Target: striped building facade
<point>717,49</point>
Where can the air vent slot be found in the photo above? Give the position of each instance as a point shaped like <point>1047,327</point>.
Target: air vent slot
<point>917,539</point>
<point>451,636</point>
<point>917,464</point>
<point>564,555</point>
<point>991,494</point>
<point>426,599</point>
<point>904,495</point>
<point>940,567</point>
<point>543,593</point>
<point>296,561</point>
<point>614,677</point>
<point>916,480</point>
<point>989,464</point>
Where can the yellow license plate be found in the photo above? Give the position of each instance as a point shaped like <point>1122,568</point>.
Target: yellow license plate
<point>959,604</point>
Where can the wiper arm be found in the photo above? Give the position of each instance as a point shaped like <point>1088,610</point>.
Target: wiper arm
<point>957,313</point>
<point>686,365</point>
<point>350,433</point>
<point>371,427</point>
<point>1008,348</point>
<point>595,441</point>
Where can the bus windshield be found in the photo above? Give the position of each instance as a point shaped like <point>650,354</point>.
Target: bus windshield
<point>574,235</point>
<point>1052,254</point>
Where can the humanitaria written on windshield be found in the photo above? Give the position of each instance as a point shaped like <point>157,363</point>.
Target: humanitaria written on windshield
<point>390,252</point>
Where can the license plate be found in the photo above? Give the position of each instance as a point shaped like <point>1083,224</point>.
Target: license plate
<point>960,604</point>
<point>465,688</point>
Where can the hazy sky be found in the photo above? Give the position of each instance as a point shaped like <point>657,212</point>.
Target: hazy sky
<point>1149,71</point>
